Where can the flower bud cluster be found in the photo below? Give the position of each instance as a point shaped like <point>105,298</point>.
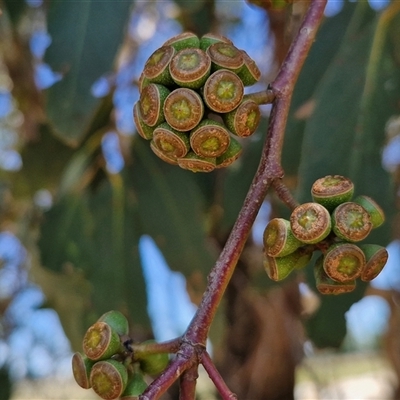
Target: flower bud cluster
<point>332,224</point>
<point>110,365</point>
<point>192,101</point>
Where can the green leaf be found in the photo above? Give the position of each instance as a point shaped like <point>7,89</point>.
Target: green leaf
<point>86,36</point>
<point>96,233</point>
<point>318,60</point>
<point>171,210</point>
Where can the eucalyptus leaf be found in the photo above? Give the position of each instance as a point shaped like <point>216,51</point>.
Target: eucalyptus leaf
<point>86,36</point>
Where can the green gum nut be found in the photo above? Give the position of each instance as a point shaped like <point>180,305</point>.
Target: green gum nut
<point>376,258</point>
<point>278,238</point>
<point>278,268</point>
<point>332,190</point>
<point>250,73</point>
<point>183,41</point>
<point>225,56</point>
<point>109,379</point>
<point>145,131</point>
<point>151,104</point>
<point>136,386</point>
<point>153,364</point>
<point>373,209</point>
<point>310,223</point>
<point>210,38</point>
<point>183,109</point>
<point>117,321</point>
<point>101,342</point>
<point>143,82</point>
<point>326,285</point>
<point>190,68</point>
<point>172,143</point>
<point>156,69</point>
<point>163,156</point>
<point>81,367</point>
<point>351,222</point>
<point>195,163</point>
<point>232,153</point>
<point>223,91</point>
<point>344,262</point>
<point>244,120</point>
<point>209,138</point>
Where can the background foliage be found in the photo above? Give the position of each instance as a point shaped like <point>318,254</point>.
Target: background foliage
<point>88,239</point>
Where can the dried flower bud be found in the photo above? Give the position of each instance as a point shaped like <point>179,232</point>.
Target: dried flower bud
<point>81,367</point>
<point>195,163</point>
<point>376,258</point>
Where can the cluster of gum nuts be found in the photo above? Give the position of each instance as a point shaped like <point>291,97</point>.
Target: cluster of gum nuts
<point>110,364</point>
<point>192,100</point>
<point>332,224</point>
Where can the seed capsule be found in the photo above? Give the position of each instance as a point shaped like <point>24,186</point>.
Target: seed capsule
<point>101,342</point>
<point>170,142</point>
<point>117,321</point>
<point>156,69</point>
<point>109,379</point>
<point>154,364</point>
<point>327,285</point>
<point>190,68</point>
<point>223,91</point>
<point>351,222</point>
<point>373,209</point>
<point>195,163</point>
<point>81,367</point>
<point>244,120</point>
<point>249,74</point>
<point>163,156</point>
<point>225,56</point>
<point>231,154</point>
<point>278,238</point>
<point>376,257</point>
<point>332,190</point>
<point>183,41</point>
<point>136,386</point>
<point>344,262</point>
<point>310,223</point>
<point>151,104</point>
<point>210,38</point>
<point>145,131</point>
<point>183,109</point>
<point>209,139</point>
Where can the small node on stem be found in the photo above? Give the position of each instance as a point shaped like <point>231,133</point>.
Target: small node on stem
<point>351,222</point>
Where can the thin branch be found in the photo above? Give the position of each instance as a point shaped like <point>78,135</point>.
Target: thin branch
<point>269,169</point>
<point>284,194</point>
<point>188,383</point>
<point>215,376</point>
